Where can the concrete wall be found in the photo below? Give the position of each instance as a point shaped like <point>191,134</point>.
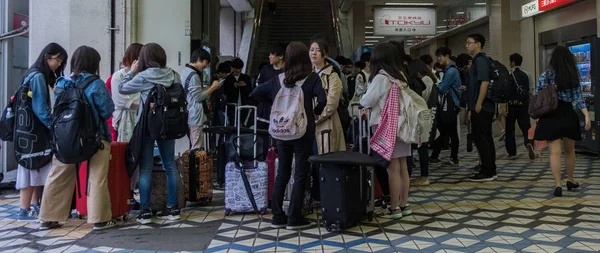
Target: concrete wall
<point>230,31</point>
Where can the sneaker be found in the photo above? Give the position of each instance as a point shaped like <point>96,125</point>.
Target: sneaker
<point>406,210</point>
<point>452,162</point>
<point>434,160</point>
<point>382,202</point>
<point>104,225</point>
<point>135,205</point>
<point>145,216</point>
<point>476,169</point>
<point>279,222</point>
<point>300,225</point>
<point>25,215</point>
<point>49,225</point>
<point>393,214</point>
<point>482,178</point>
<point>422,181</point>
<point>531,151</point>
<point>502,136</point>
<point>511,157</point>
<point>35,210</point>
<point>171,213</point>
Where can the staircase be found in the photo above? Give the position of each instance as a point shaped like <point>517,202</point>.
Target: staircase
<point>295,20</point>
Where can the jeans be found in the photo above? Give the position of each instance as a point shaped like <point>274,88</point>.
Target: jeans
<point>450,131</point>
<point>167,155</point>
<point>520,114</point>
<point>423,161</point>
<point>299,150</point>
<point>484,141</point>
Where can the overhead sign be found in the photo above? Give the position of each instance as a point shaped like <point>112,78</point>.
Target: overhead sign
<point>530,9</point>
<point>545,5</point>
<point>403,21</point>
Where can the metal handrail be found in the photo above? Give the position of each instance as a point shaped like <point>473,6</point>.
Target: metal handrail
<point>258,11</point>
<point>336,26</point>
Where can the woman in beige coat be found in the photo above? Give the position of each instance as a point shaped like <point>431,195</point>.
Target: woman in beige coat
<point>329,119</point>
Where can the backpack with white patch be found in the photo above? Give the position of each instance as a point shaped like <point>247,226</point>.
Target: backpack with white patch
<point>288,117</point>
<point>416,119</point>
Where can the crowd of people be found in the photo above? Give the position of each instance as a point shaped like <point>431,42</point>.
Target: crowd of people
<point>332,90</point>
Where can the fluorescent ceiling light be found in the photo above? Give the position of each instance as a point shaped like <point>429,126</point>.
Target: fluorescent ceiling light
<point>480,4</point>
<point>441,26</point>
<point>460,13</point>
<point>371,41</point>
<point>368,27</point>
<point>369,45</point>
<point>410,4</point>
<point>370,21</point>
<point>374,37</point>
<point>368,32</point>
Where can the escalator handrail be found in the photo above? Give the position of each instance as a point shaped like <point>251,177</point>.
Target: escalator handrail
<point>336,27</point>
<point>258,12</point>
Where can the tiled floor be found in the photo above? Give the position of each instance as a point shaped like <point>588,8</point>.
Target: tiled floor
<point>516,213</point>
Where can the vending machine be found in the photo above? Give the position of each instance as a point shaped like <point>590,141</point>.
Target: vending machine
<point>586,58</point>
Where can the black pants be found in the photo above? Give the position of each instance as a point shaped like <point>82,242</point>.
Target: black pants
<point>484,141</point>
<point>381,173</point>
<point>521,115</point>
<point>301,149</point>
<point>423,161</point>
<point>447,131</point>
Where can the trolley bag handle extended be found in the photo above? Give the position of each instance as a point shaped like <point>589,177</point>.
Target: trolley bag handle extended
<point>328,132</point>
<point>363,127</point>
<point>254,161</point>
<point>235,108</point>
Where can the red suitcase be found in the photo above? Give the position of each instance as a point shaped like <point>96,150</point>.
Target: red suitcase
<point>271,157</point>
<point>119,185</point>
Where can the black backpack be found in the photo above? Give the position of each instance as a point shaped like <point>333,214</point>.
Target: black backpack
<point>7,121</point>
<point>75,136</point>
<point>167,112</point>
<point>501,82</point>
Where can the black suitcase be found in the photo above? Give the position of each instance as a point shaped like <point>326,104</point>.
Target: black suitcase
<point>339,176</point>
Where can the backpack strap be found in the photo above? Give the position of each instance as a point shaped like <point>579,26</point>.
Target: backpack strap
<point>87,82</point>
<point>187,82</point>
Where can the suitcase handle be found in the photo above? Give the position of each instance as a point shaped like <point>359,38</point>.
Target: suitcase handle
<point>362,126</point>
<point>234,105</point>
<point>238,113</point>
<point>328,132</point>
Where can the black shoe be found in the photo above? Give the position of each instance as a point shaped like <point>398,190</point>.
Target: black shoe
<point>170,213</point>
<point>558,192</point>
<point>49,225</point>
<point>571,186</point>
<point>299,225</point>
<point>469,142</point>
<point>145,216</point>
<point>434,160</point>
<point>135,205</point>
<point>384,201</point>
<point>479,177</point>
<point>531,151</point>
<point>279,222</point>
<point>452,162</point>
<point>476,169</point>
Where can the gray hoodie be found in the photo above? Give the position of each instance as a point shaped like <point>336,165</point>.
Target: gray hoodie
<point>144,81</point>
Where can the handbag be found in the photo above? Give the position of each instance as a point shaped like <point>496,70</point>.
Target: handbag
<point>545,102</point>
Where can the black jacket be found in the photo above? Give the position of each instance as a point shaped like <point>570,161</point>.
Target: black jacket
<point>523,81</point>
<point>233,93</point>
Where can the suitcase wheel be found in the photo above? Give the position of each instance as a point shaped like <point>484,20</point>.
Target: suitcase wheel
<point>81,217</point>
<point>125,217</point>
<point>227,212</point>
<point>370,216</point>
<point>263,211</point>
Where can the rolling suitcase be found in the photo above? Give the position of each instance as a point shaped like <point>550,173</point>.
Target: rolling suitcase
<point>246,182</point>
<point>158,196</point>
<point>197,170</point>
<point>119,186</point>
<point>343,203</point>
<point>270,160</point>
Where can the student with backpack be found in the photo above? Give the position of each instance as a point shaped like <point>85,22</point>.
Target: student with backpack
<point>382,97</point>
<point>197,94</point>
<point>292,93</point>
<point>146,73</point>
<point>80,134</point>
<point>361,81</point>
<point>448,108</point>
<point>329,119</point>
<point>482,108</point>
<point>40,78</point>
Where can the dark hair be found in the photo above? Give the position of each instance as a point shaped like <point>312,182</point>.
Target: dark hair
<point>224,68</point>
<point>323,46</point>
<point>383,58</point>
<point>349,62</point>
<point>297,63</point>
<point>478,38</point>
<point>407,58</point>
<point>365,57</point>
<point>438,65</point>
<point>417,67</point>
<point>41,63</point>
<point>85,60</point>
<point>132,53</point>
<point>427,59</point>
<point>262,65</point>
<point>401,54</point>
<point>200,54</point>
<point>278,50</point>
<point>152,56</point>
<point>516,58</point>
<point>341,60</point>
<point>237,63</point>
<point>462,60</point>
<point>360,64</point>
<point>562,63</point>
<point>443,51</point>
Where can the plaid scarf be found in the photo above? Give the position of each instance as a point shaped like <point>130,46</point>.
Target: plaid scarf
<point>384,139</point>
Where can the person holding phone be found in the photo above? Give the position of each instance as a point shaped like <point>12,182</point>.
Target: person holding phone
<point>237,88</point>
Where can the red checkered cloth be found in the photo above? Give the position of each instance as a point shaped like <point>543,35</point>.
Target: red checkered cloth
<point>384,139</point>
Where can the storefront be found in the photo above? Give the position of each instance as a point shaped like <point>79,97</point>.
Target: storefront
<point>548,24</point>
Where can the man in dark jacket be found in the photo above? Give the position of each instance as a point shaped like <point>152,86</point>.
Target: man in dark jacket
<point>517,109</point>
<point>237,87</point>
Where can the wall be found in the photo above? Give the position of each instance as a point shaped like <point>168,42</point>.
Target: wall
<point>230,31</point>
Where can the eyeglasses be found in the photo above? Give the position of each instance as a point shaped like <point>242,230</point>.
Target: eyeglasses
<point>469,43</point>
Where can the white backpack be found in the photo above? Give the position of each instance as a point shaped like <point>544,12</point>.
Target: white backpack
<point>415,120</point>
<point>288,117</point>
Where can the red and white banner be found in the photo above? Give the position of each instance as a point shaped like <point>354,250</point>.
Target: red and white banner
<point>545,5</point>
